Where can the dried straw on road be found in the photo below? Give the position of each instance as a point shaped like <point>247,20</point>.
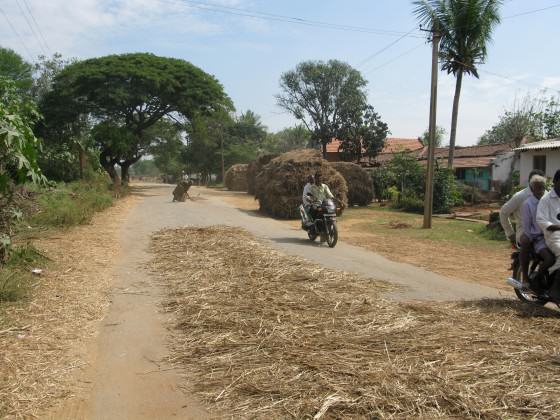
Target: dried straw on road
<point>264,335</point>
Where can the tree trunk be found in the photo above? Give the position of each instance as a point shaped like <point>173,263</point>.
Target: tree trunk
<point>109,165</point>
<point>453,133</point>
<point>83,159</point>
<point>125,166</point>
<point>324,147</point>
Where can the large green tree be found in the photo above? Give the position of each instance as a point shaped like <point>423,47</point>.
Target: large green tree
<point>363,134</point>
<point>466,30</point>
<point>129,93</point>
<point>290,138</point>
<point>14,67</point>
<point>531,118</point>
<point>320,95</point>
<point>18,152</point>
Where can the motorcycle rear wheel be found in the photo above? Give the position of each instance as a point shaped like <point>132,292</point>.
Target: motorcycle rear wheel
<point>527,296</point>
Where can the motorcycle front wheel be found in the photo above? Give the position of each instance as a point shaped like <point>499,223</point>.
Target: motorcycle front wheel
<point>312,234</point>
<point>332,233</point>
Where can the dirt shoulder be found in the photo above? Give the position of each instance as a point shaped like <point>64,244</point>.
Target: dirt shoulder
<point>43,343</point>
<point>454,249</point>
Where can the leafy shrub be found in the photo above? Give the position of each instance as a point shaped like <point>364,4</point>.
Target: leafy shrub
<point>411,203</point>
<point>446,194</point>
<point>73,203</point>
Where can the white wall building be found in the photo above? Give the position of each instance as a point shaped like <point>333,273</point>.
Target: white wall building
<point>543,155</point>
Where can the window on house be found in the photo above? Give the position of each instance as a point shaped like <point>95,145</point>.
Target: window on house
<point>539,162</point>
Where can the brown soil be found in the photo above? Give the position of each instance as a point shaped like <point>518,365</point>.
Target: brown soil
<point>482,266</point>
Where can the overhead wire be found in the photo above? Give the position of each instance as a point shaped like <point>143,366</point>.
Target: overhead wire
<point>394,59</point>
<point>385,48</point>
<point>212,7</point>
<point>530,12</point>
<point>36,25</point>
<point>31,27</point>
<point>29,55</point>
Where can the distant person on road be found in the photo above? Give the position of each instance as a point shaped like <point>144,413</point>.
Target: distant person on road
<point>512,209</point>
<point>533,236</point>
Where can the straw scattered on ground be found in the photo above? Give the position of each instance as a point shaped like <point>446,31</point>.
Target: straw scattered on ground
<point>264,335</point>
<point>42,341</point>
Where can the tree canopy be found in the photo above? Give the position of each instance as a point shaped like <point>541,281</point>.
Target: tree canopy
<point>321,95</point>
<point>14,67</point>
<point>130,93</point>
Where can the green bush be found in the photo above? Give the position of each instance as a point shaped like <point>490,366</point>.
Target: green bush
<point>73,203</point>
<point>446,193</point>
<point>411,203</point>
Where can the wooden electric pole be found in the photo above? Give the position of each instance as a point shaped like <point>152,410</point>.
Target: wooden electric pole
<point>429,194</point>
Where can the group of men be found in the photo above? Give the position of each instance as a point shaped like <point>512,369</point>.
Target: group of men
<point>537,213</point>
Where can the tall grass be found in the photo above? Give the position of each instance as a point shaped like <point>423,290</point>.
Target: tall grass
<point>73,203</point>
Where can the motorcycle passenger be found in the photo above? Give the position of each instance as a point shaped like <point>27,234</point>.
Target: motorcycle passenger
<point>513,208</point>
<point>548,212</point>
<point>306,197</point>
<point>533,236</point>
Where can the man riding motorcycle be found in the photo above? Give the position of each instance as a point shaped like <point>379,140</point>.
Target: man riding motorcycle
<point>318,192</point>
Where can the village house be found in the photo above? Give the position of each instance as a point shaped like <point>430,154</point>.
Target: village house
<point>487,167</point>
<point>543,155</point>
<point>392,145</point>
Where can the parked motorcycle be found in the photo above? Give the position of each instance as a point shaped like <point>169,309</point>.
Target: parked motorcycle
<point>547,289</point>
<point>323,223</point>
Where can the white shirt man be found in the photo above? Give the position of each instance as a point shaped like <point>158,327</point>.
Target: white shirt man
<point>513,208</point>
<point>548,211</point>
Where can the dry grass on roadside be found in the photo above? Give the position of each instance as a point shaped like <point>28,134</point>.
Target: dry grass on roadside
<point>42,340</point>
<point>264,335</point>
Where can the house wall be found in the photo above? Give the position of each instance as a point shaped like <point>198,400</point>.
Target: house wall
<point>552,163</point>
<point>479,177</point>
<point>501,167</point>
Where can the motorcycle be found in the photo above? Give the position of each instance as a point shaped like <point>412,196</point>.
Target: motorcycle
<point>548,289</point>
<point>323,224</point>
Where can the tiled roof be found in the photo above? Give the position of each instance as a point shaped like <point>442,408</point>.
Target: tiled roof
<point>469,151</point>
<point>476,162</point>
<point>541,145</point>
<point>392,145</point>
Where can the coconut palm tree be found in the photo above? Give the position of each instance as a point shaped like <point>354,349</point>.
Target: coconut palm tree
<point>466,30</point>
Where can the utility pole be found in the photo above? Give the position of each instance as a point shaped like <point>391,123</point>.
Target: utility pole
<point>429,194</point>
<point>222,150</point>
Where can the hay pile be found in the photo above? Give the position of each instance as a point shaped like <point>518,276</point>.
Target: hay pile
<point>279,186</point>
<point>360,184</point>
<point>253,170</point>
<point>236,177</point>
<point>181,191</point>
<point>286,338</point>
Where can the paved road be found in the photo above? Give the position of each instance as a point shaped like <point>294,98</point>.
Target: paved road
<point>414,282</point>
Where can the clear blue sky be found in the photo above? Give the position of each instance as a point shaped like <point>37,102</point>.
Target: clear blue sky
<point>248,54</point>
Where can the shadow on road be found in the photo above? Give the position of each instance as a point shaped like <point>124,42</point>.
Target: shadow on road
<point>523,310</point>
<point>148,190</point>
<point>295,240</point>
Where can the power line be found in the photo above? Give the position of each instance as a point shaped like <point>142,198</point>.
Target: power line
<point>37,25</point>
<point>29,55</point>
<point>530,12</point>
<point>31,27</point>
<point>282,18</point>
<point>394,59</point>
<point>385,48</point>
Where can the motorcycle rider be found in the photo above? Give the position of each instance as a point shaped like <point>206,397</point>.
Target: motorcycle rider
<point>513,208</point>
<point>533,236</point>
<point>319,192</point>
